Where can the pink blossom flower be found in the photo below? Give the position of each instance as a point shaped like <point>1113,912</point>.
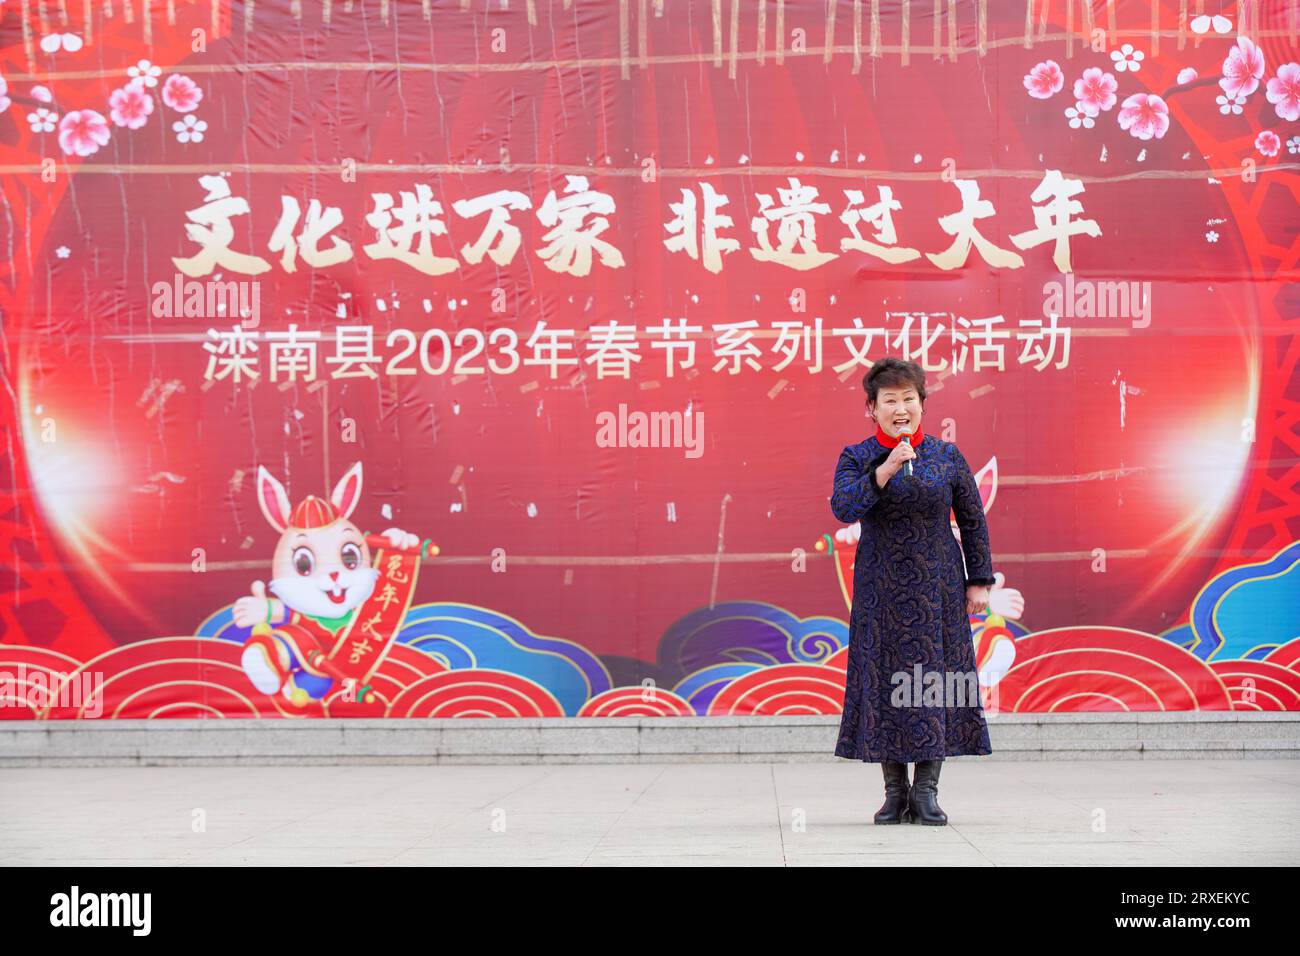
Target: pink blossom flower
<point>1095,90</point>
<point>1243,69</point>
<point>1144,115</point>
<point>82,132</point>
<point>1187,75</point>
<point>1283,91</point>
<point>1268,143</point>
<point>1044,80</point>
<point>181,93</point>
<point>144,72</point>
<point>130,106</point>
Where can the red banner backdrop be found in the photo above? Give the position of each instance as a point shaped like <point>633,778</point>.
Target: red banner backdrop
<point>566,304</point>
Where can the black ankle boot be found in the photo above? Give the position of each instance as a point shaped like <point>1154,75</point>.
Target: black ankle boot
<point>923,801</point>
<point>894,809</point>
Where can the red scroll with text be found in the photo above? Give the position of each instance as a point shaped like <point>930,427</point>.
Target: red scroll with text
<point>364,643</point>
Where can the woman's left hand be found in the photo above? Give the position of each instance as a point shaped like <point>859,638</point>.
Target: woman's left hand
<point>977,599</point>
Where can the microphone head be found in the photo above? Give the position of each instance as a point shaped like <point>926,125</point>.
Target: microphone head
<point>905,436</point>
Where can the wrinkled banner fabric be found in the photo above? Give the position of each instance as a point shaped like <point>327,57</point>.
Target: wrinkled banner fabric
<point>494,358</point>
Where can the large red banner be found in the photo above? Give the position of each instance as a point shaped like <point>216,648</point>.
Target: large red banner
<point>565,305</point>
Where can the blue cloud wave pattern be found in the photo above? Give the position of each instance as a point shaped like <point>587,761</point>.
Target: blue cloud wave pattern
<point>465,636</point>
<point>1248,610</point>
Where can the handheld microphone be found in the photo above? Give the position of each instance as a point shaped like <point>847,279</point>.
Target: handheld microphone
<point>907,465</point>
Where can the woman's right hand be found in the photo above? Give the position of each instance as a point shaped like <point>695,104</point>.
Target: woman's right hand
<point>894,463</point>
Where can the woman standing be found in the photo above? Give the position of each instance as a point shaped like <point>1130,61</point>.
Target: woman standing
<point>912,690</point>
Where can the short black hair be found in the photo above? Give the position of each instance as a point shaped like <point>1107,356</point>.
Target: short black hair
<point>890,372</point>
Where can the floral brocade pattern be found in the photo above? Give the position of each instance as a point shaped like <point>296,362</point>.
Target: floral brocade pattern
<point>909,603</point>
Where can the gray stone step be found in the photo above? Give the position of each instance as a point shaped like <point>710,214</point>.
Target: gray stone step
<point>1137,736</point>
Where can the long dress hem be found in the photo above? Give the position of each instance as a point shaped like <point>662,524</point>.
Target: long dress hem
<point>914,755</point>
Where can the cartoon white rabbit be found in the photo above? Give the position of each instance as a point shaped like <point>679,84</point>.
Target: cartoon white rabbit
<point>321,573</point>
<point>1003,601</point>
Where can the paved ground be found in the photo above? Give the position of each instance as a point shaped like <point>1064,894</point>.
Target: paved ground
<point>1164,812</point>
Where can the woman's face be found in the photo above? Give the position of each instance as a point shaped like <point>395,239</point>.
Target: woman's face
<point>898,410</point>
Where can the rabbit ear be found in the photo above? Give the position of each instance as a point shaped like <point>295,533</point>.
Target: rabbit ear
<point>987,481</point>
<point>272,499</point>
<point>347,492</point>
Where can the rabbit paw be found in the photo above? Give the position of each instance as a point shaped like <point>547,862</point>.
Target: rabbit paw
<point>1008,602</point>
<point>849,534</point>
<point>254,609</point>
<point>401,539</point>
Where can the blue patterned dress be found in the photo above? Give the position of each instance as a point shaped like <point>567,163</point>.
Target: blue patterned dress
<point>909,605</point>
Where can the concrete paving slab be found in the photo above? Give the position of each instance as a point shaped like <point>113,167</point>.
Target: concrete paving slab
<point>1001,813</point>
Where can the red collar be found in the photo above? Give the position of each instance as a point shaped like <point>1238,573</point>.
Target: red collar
<point>889,441</point>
